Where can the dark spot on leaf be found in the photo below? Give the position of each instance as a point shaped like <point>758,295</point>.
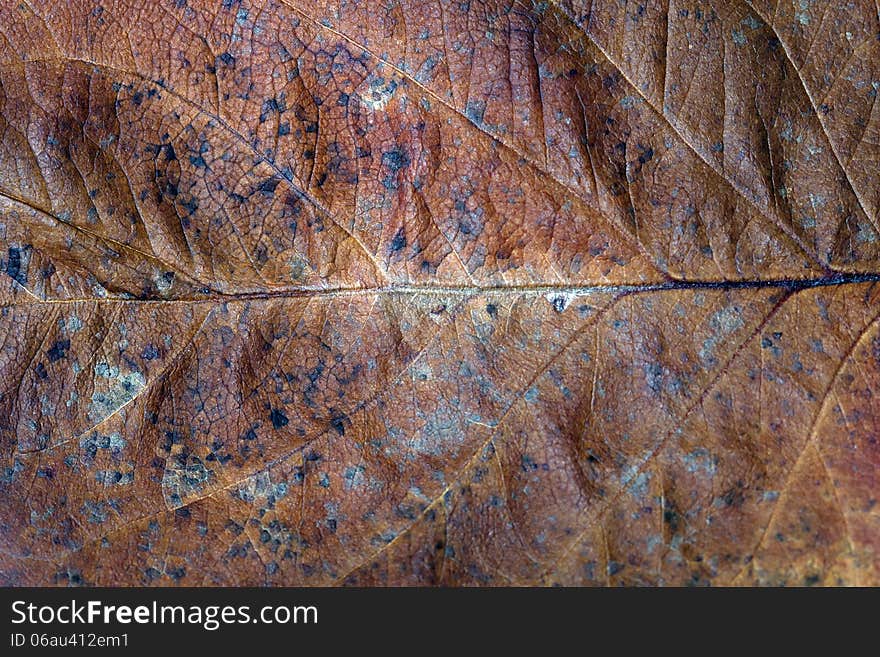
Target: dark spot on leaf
<point>395,159</point>
<point>338,421</point>
<point>268,186</point>
<point>399,241</point>
<point>279,419</point>
<point>58,350</point>
<point>13,267</point>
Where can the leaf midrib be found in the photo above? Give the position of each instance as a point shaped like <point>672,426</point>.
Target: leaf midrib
<point>440,290</point>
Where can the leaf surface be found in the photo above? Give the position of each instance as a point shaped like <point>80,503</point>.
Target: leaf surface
<point>458,293</point>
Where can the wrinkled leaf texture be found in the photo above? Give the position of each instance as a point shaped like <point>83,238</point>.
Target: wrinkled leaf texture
<point>459,293</point>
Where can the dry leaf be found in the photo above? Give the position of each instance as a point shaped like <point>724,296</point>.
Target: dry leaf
<point>458,293</point>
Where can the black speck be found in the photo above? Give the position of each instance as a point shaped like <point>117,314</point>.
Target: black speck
<point>177,573</point>
<point>475,111</point>
<point>279,419</point>
<point>270,106</point>
<point>13,266</point>
<point>395,159</point>
<point>58,350</point>
<point>399,241</point>
<point>614,567</point>
<point>191,205</point>
<point>268,186</point>
<point>337,421</point>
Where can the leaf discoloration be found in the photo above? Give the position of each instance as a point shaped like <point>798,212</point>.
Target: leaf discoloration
<point>502,293</point>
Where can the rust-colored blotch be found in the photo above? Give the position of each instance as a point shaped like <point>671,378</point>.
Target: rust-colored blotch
<point>486,293</point>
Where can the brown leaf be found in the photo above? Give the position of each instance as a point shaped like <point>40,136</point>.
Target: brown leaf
<point>494,293</point>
